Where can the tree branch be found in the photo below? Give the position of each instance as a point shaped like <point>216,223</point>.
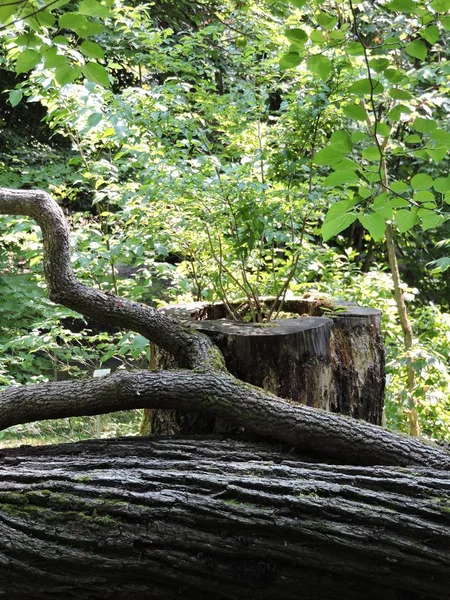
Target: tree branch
<point>302,427</point>
<point>208,387</point>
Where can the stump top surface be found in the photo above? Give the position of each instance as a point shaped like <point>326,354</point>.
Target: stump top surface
<point>281,327</point>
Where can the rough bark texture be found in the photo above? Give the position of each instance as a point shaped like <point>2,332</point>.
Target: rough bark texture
<point>217,519</point>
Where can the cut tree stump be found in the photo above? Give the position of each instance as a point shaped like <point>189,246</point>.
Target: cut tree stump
<point>333,360</point>
<point>217,519</point>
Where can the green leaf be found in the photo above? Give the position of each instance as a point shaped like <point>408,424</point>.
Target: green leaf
<point>438,154</point>
<point>15,96</point>
<point>383,129</point>
<point>394,75</point>
<point>161,249</point>
<point>346,164</point>
<point>405,220</point>
<point>7,11</point>
<point>30,40</point>
<point>341,141</point>
<point>60,40</point>
<point>79,24</point>
<point>354,111</point>
<point>332,228</point>
<point>42,19</point>
<point>441,138</point>
<point>413,139</point>
<point>371,153</point>
<point>298,3</point>
<point>442,264</point>
<point>424,125</point>
<point>290,60</point>
<point>375,224</point>
<point>92,49</point>
<point>406,6</point>
<point>94,119</point>
<point>317,37</point>
<point>363,87</point>
<point>417,49</point>
<point>382,207</point>
<point>96,73</point>
<point>399,187</point>
<point>72,21</point>
<point>341,178</point>
<point>421,181</point>
<point>319,65</point>
<point>442,184</point>
<point>328,156</point>
<point>339,208</point>
<point>358,136</point>
<point>337,220</point>
<point>423,196</point>
<point>398,94</point>
<point>355,49</point>
<point>446,23</point>
<point>399,203</point>
<point>27,60</point>
<point>379,64</point>
<point>66,74</point>
<point>429,218</point>
<point>326,21</point>
<point>93,8</point>
<point>431,34</point>
<point>296,36</point>
<point>396,113</point>
<point>441,6</point>
<point>364,192</point>
<point>52,59</point>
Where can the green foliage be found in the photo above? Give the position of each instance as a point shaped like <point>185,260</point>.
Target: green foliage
<point>196,164</point>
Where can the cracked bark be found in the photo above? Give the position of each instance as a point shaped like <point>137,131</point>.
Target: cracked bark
<point>217,519</point>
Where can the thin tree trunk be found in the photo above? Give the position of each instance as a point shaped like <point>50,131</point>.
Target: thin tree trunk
<point>408,336</point>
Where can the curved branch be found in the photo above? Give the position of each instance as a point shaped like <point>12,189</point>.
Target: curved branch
<point>192,349</point>
<point>307,429</point>
<point>209,387</point>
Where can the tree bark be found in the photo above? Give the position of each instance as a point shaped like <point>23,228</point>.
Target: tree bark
<point>217,519</point>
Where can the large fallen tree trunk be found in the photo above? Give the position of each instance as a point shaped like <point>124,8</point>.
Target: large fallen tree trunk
<point>204,384</point>
<point>213,518</point>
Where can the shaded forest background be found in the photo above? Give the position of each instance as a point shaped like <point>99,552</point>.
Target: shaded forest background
<point>215,151</point>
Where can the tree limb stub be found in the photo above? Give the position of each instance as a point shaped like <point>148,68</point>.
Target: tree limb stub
<point>207,387</point>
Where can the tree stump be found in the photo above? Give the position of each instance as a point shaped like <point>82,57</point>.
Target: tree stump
<point>332,360</point>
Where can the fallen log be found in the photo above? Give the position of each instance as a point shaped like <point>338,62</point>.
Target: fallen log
<point>217,518</point>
